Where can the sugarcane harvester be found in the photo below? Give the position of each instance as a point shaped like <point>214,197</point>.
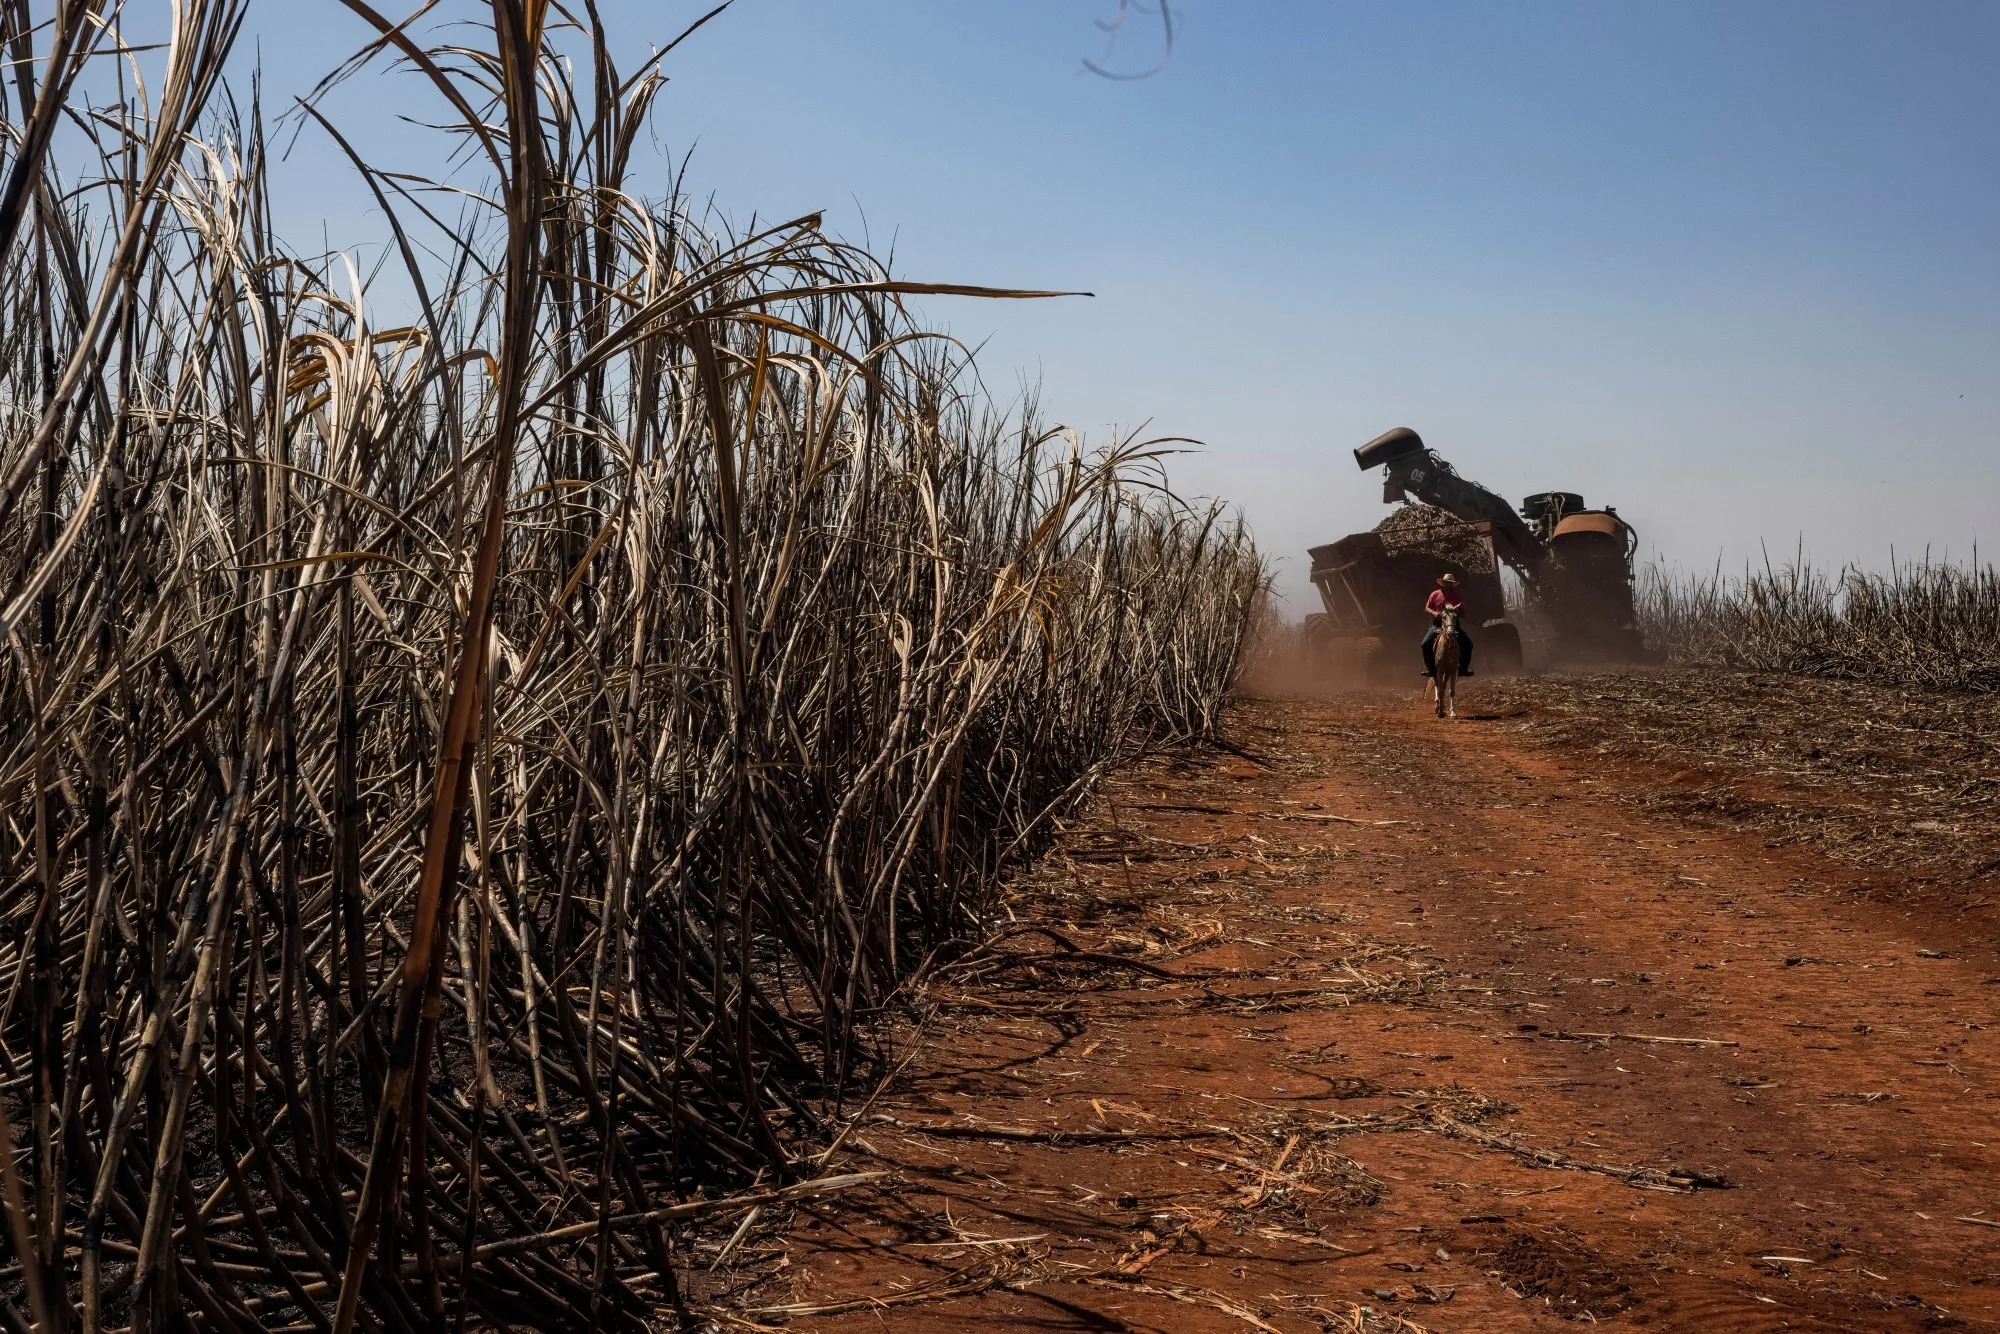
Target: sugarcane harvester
<point>1574,562</point>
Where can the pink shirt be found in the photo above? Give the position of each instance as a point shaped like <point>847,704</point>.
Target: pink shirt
<point>1442,598</point>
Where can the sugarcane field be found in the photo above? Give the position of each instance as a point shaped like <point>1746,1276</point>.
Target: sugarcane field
<point>693,667</point>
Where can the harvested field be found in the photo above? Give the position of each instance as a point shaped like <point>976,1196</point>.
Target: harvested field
<point>1892,779</point>
<point>1380,1023</point>
<point>525,785</point>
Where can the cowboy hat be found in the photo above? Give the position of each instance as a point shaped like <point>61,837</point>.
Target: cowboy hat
<point>1448,579</point>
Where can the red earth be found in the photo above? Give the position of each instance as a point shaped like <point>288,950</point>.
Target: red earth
<point>1376,1022</point>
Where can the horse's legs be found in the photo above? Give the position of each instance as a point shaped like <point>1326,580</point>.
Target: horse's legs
<point>1444,680</point>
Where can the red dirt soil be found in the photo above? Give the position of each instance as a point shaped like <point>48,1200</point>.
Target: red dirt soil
<point>1378,1073</point>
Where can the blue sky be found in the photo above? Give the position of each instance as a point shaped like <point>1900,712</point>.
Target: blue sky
<point>1728,266</point>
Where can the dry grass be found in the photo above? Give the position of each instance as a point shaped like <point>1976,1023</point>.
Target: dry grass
<point>1926,624</point>
<point>471,785</point>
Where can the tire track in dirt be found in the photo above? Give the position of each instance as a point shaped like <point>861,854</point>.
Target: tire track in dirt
<point>1318,1074</point>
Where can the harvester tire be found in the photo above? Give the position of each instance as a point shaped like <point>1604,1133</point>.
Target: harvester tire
<point>1371,663</point>
<point>1322,646</point>
<point>1352,663</point>
<point>1499,648</point>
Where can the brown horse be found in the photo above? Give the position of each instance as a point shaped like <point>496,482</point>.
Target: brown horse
<point>1444,664</point>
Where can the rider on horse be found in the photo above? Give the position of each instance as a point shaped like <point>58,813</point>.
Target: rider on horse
<point>1447,595</point>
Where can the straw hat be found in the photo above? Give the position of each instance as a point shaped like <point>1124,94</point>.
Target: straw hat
<point>1448,579</point>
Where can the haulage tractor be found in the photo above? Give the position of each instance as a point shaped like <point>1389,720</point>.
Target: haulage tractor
<point>1574,565</point>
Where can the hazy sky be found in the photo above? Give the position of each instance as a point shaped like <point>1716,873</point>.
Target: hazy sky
<point>1729,266</point>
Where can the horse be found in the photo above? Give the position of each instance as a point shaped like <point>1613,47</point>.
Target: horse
<point>1444,664</point>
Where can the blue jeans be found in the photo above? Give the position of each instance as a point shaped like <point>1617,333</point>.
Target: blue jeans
<point>1430,650</point>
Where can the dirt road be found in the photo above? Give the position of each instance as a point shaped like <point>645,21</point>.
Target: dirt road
<point>1384,1020</point>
